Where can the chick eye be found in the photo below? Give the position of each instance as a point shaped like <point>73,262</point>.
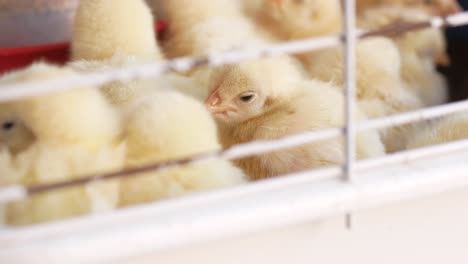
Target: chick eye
<point>248,97</point>
<point>8,125</point>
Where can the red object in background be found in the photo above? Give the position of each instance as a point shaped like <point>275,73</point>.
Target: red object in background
<point>59,53</point>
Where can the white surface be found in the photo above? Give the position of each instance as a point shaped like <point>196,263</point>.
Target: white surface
<point>429,231</point>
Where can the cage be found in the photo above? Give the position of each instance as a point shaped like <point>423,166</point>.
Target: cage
<point>407,207</point>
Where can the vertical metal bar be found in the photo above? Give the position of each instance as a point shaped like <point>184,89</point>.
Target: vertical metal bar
<point>349,26</point>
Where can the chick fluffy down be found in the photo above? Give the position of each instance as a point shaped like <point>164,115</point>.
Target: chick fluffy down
<point>58,137</point>
<point>104,27</point>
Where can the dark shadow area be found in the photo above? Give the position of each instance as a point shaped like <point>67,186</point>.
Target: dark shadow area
<point>457,73</point>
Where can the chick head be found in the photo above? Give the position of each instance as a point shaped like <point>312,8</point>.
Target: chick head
<point>76,116</point>
<point>304,18</point>
<point>244,91</point>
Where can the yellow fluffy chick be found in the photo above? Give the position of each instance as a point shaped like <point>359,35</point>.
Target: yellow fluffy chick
<point>58,137</point>
<point>264,99</point>
<point>168,126</point>
<point>312,18</point>
<point>204,26</point>
<point>379,86</point>
<point>248,99</point>
<point>419,50</point>
<point>124,50</point>
<point>444,130</point>
<point>104,27</point>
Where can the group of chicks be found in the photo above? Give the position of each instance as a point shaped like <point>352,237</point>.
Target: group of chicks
<point>84,131</point>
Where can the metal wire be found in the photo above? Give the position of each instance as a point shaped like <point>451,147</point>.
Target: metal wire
<point>349,26</point>
<point>244,150</point>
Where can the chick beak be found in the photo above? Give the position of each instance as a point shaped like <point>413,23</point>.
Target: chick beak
<point>213,102</point>
<point>443,59</point>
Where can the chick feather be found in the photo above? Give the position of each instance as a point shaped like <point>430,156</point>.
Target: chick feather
<point>266,87</point>
<point>156,130</point>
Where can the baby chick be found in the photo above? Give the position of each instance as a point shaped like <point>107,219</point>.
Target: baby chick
<point>267,99</point>
<point>264,99</point>
<point>166,126</point>
<point>104,27</point>
<point>379,83</point>
<point>200,27</point>
<point>124,49</point>
<point>419,51</point>
<point>320,17</point>
<point>58,137</point>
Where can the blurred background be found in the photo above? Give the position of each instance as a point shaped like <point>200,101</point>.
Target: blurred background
<point>457,73</point>
<point>37,22</point>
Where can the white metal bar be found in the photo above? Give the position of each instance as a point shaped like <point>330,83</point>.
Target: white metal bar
<point>350,84</point>
<point>144,70</point>
<point>413,116</point>
<point>349,26</point>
